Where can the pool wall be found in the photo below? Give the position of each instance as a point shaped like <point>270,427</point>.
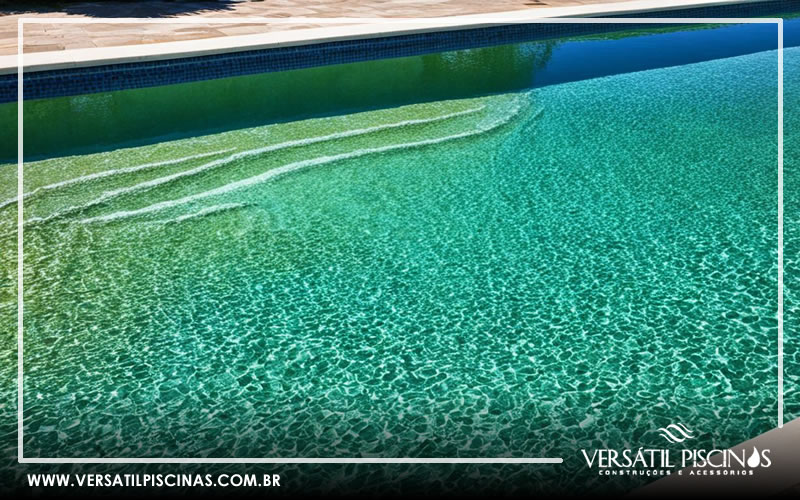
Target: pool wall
<point>133,103</point>
<point>108,78</point>
<point>94,122</point>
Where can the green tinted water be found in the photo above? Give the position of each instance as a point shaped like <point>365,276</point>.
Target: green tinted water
<point>525,274</point>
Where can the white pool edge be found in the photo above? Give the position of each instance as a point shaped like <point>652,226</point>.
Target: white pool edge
<point>344,29</point>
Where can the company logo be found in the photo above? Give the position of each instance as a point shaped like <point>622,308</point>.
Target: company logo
<point>690,461</point>
<point>675,433</point>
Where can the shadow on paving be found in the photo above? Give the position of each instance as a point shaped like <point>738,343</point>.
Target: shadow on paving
<point>132,8</point>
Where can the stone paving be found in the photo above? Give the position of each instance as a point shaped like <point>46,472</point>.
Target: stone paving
<point>53,37</point>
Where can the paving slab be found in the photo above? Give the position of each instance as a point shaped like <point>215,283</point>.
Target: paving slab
<point>38,39</point>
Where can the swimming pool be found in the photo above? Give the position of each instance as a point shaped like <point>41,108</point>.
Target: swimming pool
<point>527,264</point>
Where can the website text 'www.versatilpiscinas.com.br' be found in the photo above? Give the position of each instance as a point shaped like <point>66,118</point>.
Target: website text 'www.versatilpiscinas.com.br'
<point>154,480</point>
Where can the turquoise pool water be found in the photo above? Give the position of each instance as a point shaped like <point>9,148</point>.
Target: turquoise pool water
<point>527,273</point>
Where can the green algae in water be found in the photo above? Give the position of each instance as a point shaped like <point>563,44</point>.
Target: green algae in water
<point>524,274</point>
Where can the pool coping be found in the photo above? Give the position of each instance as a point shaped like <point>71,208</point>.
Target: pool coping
<point>349,29</point>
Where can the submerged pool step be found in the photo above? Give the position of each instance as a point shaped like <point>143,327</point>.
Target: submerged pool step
<point>76,180</point>
<point>61,192</point>
<point>253,161</point>
<point>123,192</point>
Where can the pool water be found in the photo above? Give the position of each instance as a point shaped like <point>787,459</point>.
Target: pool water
<point>527,273</point>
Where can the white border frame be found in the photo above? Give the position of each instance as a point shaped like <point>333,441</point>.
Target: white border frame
<point>494,20</point>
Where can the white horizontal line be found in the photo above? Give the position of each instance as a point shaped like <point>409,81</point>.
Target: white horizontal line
<point>444,21</point>
<point>403,460</point>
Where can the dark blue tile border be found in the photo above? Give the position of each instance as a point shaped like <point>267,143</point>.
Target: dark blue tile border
<point>108,78</point>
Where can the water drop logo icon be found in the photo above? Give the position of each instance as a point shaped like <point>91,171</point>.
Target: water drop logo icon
<point>755,459</point>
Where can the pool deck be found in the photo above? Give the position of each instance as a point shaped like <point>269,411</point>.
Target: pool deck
<point>52,37</point>
<point>88,38</point>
